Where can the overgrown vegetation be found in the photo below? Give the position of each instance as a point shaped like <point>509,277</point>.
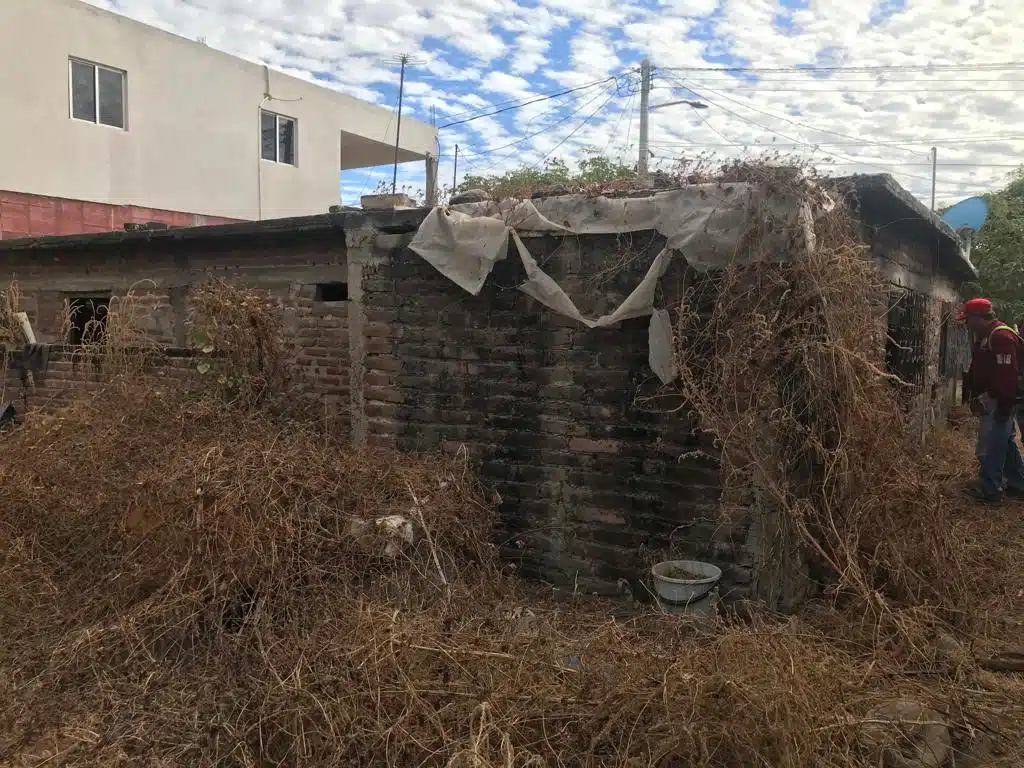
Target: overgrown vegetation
<point>592,168</point>
<point>998,251</point>
<point>186,578</point>
<point>815,435</point>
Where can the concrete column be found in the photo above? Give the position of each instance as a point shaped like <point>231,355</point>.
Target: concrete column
<point>360,243</point>
<point>431,164</point>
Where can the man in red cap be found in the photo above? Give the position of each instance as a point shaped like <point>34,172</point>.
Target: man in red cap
<point>992,382</point>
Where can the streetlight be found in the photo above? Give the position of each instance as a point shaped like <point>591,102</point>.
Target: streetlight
<point>644,110</point>
<point>688,102</point>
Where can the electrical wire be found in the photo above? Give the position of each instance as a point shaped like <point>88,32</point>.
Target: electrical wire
<point>946,141</point>
<point>877,91</point>
<point>709,125</point>
<point>575,130</point>
<point>979,67</point>
<point>554,94</point>
<point>629,127</point>
<point>880,78</point>
<point>810,145</point>
<point>545,129</point>
<point>536,100</point>
<point>796,123</point>
<point>618,123</point>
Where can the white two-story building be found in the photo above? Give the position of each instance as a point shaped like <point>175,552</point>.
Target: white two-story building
<point>105,121</point>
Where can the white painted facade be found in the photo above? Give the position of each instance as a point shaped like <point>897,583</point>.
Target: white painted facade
<point>191,139</point>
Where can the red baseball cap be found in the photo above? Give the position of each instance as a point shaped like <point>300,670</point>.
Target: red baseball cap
<point>975,307</point>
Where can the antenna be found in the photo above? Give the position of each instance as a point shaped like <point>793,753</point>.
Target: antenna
<point>404,60</point>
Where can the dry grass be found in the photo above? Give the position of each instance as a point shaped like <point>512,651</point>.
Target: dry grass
<point>188,579</point>
<point>796,395</point>
<point>180,585</point>
<point>112,342</point>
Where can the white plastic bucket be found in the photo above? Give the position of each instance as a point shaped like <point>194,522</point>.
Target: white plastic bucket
<point>680,582</point>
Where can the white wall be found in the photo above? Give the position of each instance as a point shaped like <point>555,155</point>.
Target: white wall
<point>192,141</point>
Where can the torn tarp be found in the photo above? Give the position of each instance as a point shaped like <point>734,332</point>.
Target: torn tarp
<point>706,223</point>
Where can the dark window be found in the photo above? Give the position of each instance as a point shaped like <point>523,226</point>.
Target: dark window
<point>332,292</point>
<point>88,316</point>
<point>97,94</point>
<point>268,135</point>
<point>111,89</point>
<point>905,345</point>
<point>83,91</point>
<point>277,138</point>
<point>285,140</point>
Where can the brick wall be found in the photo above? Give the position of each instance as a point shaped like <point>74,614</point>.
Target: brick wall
<point>595,479</point>
<point>908,262</point>
<point>23,215</point>
<point>53,375</point>
<point>162,279</point>
<point>592,484</point>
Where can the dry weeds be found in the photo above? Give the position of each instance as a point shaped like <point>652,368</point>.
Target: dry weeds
<point>186,579</point>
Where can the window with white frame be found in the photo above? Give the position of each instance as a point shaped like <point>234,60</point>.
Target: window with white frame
<point>277,137</point>
<point>97,93</point>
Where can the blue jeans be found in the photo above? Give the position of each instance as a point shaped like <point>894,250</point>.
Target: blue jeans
<point>998,455</point>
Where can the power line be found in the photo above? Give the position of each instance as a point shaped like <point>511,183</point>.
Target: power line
<point>629,125</point>
<point>517,100</point>
<point>796,123</point>
<point>946,165</point>
<point>878,91</point>
<point>541,130</point>
<point>949,141</point>
<point>835,78</point>
<point>707,122</point>
<point>622,113</point>
<point>536,100</point>
<point>577,128</point>
<point>805,143</point>
<point>980,67</point>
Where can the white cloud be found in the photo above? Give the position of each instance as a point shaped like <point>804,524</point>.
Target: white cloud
<point>478,53</point>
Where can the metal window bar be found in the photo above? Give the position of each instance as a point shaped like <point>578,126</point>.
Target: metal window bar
<point>905,348</point>
<point>955,352</point>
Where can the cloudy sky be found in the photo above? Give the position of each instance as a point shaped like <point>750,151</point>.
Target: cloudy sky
<point>855,85</point>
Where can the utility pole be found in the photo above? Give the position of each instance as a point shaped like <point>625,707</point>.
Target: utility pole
<point>645,92</point>
<point>455,170</point>
<point>935,158</point>
<point>404,60</point>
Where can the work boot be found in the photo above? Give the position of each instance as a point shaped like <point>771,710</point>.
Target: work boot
<point>1014,493</point>
<point>974,493</point>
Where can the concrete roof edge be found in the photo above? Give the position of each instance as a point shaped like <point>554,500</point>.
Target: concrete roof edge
<point>886,184</point>
<point>398,221</point>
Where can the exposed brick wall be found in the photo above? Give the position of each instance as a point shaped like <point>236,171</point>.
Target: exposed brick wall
<point>161,281</point>
<point>595,480</point>
<point>321,334</point>
<point>591,483</point>
<point>57,374</point>
<point>24,215</point>
<point>909,262</point>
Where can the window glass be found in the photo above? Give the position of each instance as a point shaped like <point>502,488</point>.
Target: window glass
<point>286,140</point>
<point>268,133</point>
<point>83,91</point>
<point>111,86</point>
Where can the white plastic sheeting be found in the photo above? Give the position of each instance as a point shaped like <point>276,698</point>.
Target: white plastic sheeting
<point>706,224</point>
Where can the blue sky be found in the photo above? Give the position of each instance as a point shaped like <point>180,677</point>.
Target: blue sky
<point>844,84</point>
